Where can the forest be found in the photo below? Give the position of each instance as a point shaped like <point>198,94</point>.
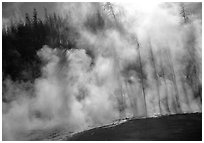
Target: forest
<point>22,40</point>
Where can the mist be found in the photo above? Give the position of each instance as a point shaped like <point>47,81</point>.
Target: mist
<point>131,60</point>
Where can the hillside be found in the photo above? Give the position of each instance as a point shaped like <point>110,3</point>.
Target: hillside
<point>180,127</point>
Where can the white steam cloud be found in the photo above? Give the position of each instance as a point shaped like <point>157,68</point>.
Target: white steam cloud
<point>134,65</point>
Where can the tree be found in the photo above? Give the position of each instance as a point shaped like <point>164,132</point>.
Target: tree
<point>184,13</point>
<point>155,75</point>
<point>142,75</point>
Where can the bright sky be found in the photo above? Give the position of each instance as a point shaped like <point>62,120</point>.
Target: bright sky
<point>17,10</point>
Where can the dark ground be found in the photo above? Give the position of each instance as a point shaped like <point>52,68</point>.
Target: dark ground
<point>180,127</point>
<point>183,127</point>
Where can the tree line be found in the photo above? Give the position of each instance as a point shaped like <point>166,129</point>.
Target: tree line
<point>22,40</point>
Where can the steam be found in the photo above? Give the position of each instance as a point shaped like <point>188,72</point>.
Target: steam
<point>102,80</point>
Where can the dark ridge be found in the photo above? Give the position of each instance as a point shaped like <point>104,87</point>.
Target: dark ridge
<point>178,127</point>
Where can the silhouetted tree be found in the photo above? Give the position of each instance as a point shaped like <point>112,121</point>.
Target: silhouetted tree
<point>155,75</point>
